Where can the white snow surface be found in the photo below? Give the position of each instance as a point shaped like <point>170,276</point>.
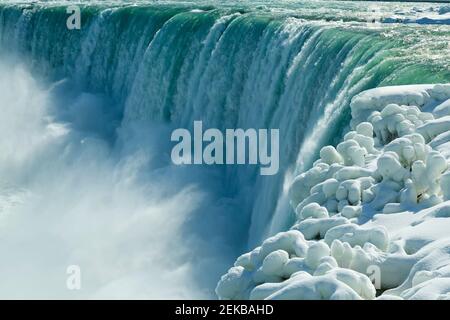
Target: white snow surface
<point>372,214</point>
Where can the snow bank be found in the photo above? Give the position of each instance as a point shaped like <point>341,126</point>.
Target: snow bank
<point>287,266</point>
<point>372,213</point>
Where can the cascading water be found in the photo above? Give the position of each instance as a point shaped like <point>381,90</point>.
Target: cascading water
<point>132,73</point>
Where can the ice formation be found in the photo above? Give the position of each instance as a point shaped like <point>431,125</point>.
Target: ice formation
<point>371,214</point>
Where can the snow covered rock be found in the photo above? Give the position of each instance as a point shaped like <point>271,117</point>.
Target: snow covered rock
<point>356,235</point>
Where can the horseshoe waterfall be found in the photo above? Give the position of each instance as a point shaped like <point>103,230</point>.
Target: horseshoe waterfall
<point>358,91</point>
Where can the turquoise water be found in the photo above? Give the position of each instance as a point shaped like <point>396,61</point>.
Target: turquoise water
<point>292,65</point>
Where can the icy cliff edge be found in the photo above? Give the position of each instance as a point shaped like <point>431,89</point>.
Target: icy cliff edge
<point>372,214</point>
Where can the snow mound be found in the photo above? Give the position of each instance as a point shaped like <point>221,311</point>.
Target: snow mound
<point>287,266</point>
<point>372,213</point>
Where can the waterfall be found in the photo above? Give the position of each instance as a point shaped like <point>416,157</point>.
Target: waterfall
<point>153,68</point>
